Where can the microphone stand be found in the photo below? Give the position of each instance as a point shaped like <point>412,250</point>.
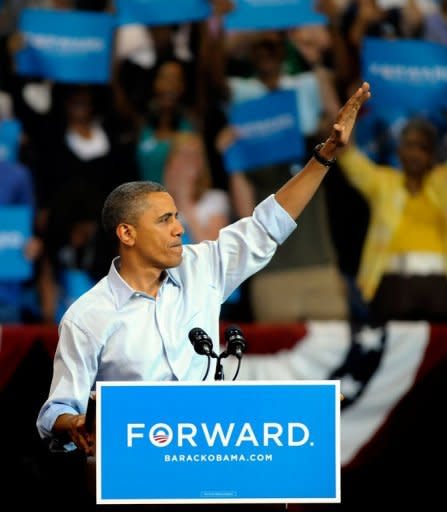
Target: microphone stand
<point>239,360</point>
<point>208,364</point>
<point>219,373</point>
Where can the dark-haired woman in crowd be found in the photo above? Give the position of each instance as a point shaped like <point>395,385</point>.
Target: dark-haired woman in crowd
<point>166,116</point>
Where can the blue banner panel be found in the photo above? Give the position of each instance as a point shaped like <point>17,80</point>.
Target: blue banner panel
<point>15,231</point>
<point>405,75</point>
<point>66,46</point>
<point>225,442</point>
<point>10,130</point>
<point>268,132</point>
<point>273,14</point>
<point>161,12</point>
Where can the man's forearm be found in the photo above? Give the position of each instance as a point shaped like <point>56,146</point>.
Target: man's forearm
<point>294,195</point>
<point>73,426</point>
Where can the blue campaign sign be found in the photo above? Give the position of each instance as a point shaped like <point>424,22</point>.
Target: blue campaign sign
<point>177,442</point>
<point>73,284</point>
<point>268,132</point>
<point>15,230</point>
<point>66,46</point>
<point>10,130</point>
<point>273,14</point>
<point>405,75</point>
<point>161,12</point>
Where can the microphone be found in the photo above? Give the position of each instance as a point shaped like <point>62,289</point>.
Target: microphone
<point>201,341</point>
<point>236,343</point>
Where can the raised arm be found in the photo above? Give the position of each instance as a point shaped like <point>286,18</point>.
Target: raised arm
<point>294,195</point>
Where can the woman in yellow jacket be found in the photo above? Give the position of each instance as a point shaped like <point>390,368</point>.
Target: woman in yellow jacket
<point>402,273</point>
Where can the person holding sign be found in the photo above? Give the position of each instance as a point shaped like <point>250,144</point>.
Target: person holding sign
<point>134,324</point>
<point>302,281</point>
<point>19,247</point>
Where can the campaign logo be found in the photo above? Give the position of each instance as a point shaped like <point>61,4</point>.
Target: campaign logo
<point>159,435</point>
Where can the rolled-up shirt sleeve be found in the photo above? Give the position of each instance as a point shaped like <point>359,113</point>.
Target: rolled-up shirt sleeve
<point>74,371</point>
<point>274,219</point>
<point>242,248</point>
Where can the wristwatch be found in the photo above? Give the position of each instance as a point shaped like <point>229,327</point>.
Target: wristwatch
<point>320,158</point>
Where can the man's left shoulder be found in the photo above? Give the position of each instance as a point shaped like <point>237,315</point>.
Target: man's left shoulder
<point>91,303</point>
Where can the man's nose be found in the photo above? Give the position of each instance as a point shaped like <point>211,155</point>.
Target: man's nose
<point>178,228</point>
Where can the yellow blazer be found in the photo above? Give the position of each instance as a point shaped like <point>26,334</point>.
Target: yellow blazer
<point>384,189</point>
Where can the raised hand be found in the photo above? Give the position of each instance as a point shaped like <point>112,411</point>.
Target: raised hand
<point>344,123</point>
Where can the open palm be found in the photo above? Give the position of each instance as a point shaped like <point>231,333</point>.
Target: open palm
<point>342,128</point>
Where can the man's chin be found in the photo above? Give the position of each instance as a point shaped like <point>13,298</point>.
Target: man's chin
<point>175,262</point>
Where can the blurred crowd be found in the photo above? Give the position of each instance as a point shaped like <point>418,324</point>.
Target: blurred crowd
<point>370,247</point>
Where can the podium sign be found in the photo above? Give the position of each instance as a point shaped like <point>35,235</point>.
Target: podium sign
<point>246,442</point>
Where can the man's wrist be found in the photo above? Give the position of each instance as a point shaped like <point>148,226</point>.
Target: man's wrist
<point>324,155</point>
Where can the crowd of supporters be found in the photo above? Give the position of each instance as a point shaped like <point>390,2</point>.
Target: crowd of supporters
<point>371,245</point>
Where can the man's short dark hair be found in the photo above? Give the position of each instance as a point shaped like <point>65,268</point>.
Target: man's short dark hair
<point>126,203</point>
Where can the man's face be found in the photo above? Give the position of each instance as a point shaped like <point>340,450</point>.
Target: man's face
<point>157,233</point>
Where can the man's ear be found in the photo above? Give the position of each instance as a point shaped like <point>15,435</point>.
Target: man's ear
<point>126,234</point>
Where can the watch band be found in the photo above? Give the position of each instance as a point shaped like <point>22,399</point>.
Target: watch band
<point>320,158</point>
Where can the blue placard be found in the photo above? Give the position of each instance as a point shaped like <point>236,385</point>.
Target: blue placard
<point>10,130</point>
<point>405,75</point>
<point>15,231</point>
<point>161,12</point>
<point>268,132</point>
<point>66,46</point>
<point>218,443</point>
<point>273,14</point>
<point>73,283</point>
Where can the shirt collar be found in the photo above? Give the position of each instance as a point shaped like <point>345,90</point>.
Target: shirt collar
<point>121,290</point>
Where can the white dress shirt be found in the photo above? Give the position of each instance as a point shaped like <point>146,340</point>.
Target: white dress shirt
<point>114,332</point>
